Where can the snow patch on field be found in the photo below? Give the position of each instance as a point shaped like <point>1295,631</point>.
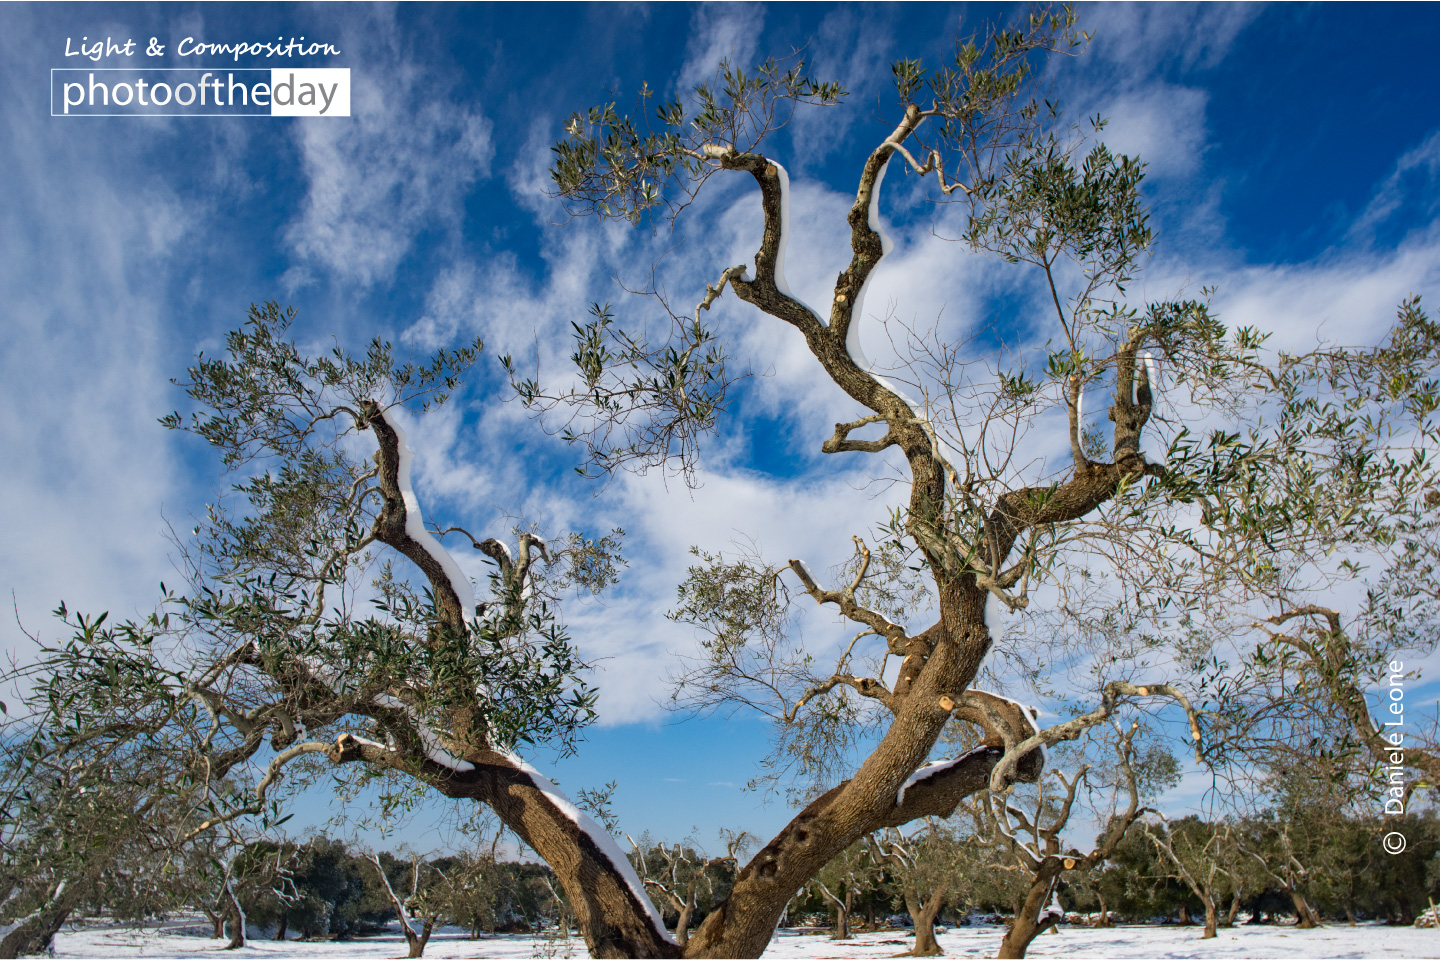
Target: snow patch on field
<point>1123,943</point>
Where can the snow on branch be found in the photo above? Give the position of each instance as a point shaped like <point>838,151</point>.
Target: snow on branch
<point>599,836</point>
<point>933,769</point>
<point>415,524</point>
<point>780,282</point>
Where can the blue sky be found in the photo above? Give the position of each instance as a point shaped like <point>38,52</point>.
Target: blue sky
<point>1294,152</point>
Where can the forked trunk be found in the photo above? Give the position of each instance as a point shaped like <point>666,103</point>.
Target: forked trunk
<point>1234,909</point>
<point>1104,918</point>
<point>682,925</point>
<point>235,914</point>
<point>743,924</point>
<point>615,915</point>
<point>842,917</point>
<point>282,927</point>
<point>236,922</point>
<point>608,900</point>
<point>1028,923</point>
<point>923,916</point>
<point>417,941</point>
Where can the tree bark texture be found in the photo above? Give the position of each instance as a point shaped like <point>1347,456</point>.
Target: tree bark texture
<point>36,934</point>
<point>1028,923</point>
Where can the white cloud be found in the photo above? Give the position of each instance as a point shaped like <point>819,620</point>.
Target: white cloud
<point>719,31</point>
<point>1416,168</point>
<point>401,164</point>
<point>1163,124</point>
<point>852,49</point>
<point>1140,38</point>
<point>87,470</point>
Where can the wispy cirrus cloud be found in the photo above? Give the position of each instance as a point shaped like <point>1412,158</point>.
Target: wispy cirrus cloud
<point>400,166</point>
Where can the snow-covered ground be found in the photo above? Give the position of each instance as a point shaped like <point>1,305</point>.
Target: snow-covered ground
<point>1367,940</point>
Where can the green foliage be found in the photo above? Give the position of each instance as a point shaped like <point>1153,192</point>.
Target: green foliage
<point>750,658</point>
<point>174,723</point>
<point>270,572</point>
<point>267,399</point>
<point>616,166</point>
<point>636,403</point>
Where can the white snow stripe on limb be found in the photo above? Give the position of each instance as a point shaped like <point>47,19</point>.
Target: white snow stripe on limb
<point>399,905</point>
<point>857,311</point>
<point>599,836</point>
<point>931,769</point>
<point>1151,371</point>
<point>428,739</point>
<point>780,282</point>
<point>415,525</point>
<point>16,924</point>
<point>941,449</point>
<point>994,623</point>
<point>853,347</point>
<point>808,572</point>
<point>872,214</point>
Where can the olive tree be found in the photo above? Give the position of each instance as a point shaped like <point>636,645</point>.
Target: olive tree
<point>1310,572</point>
<point>684,876</point>
<point>984,523</point>
<point>924,866</point>
<point>1194,853</point>
<point>265,661</point>
<point>323,624</point>
<point>1031,827</point>
<point>96,805</point>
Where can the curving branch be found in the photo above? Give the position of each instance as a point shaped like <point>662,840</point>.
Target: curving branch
<point>1111,696</point>
<point>893,633</point>
<point>865,686</point>
<point>840,442</point>
<point>262,789</point>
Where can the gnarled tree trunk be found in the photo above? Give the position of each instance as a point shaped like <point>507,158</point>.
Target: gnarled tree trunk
<point>1305,918</point>
<point>1029,923</point>
<point>36,932</point>
<point>922,915</point>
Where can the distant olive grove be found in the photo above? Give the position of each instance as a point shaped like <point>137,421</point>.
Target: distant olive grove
<point>323,889</point>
